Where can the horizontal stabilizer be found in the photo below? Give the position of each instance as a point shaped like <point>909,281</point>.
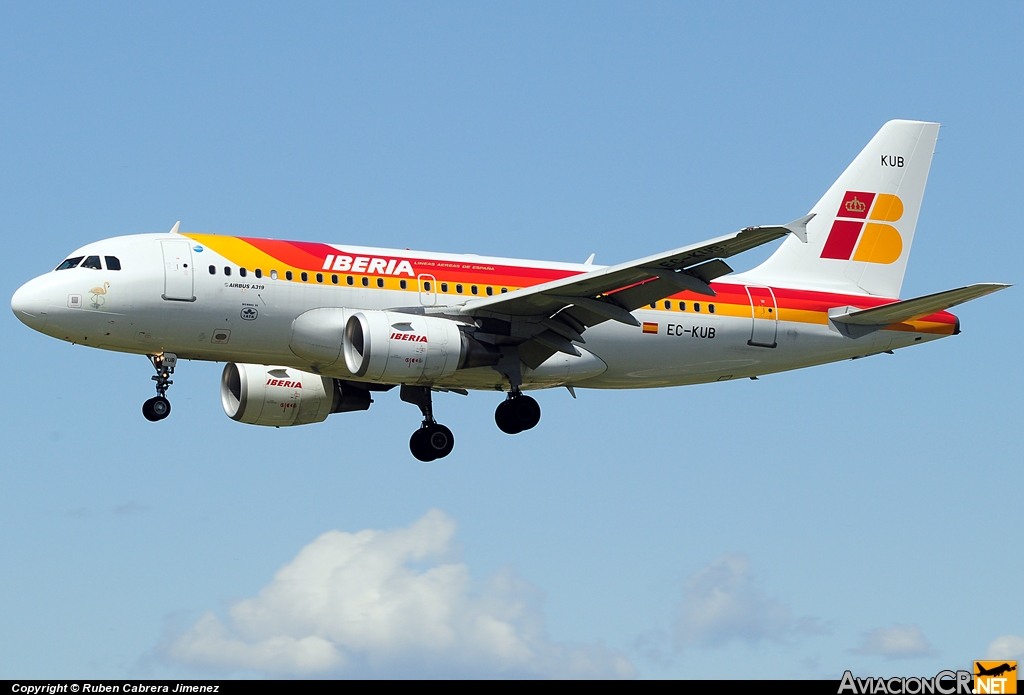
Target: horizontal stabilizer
<point>913,309</point>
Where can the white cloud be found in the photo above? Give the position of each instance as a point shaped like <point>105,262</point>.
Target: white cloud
<point>1006,647</point>
<point>389,603</point>
<point>896,642</point>
<point>722,603</point>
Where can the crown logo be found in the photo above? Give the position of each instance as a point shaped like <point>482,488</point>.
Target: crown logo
<point>855,205</point>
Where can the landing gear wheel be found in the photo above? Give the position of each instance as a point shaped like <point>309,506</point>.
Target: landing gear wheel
<point>418,445</point>
<point>156,408</point>
<point>517,414</point>
<point>431,442</point>
<point>440,440</point>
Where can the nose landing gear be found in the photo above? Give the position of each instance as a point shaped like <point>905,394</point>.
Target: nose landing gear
<point>158,407</point>
<point>432,440</point>
<point>517,413</point>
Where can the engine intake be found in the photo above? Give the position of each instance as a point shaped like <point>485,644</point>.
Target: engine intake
<point>282,396</point>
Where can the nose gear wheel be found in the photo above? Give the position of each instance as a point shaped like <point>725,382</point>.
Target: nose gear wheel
<point>158,407</point>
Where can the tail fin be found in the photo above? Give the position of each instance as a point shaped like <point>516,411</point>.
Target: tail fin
<point>859,239</point>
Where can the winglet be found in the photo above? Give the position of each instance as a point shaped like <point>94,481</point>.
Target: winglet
<point>798,228</point>
<point>174,229</point>
<point>590,260</point>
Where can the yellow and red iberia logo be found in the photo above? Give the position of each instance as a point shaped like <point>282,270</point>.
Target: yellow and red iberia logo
<point>995,677</point>
<point>860,224</point>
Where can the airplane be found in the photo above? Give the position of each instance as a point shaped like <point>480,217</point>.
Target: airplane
<point>996,670</point>
<point>310,329</point>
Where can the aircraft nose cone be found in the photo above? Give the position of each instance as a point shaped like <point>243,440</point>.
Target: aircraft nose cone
<point>31,303</point>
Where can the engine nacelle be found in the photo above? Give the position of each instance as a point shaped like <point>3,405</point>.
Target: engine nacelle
<point>409,348</point>
<point>282,396</point>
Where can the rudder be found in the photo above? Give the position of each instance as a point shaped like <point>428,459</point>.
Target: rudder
<point>860,237</point>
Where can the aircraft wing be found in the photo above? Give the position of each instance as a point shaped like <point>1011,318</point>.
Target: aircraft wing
<point>553,314</point>
<point>913,309</point>
<point>612,292</point>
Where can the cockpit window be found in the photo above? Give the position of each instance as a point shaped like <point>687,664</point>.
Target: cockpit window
<point>70,263</point>
<point>92,262</point>
<point>112,262</point>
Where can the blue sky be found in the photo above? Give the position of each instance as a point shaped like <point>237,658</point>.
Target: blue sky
<point>856,515</point>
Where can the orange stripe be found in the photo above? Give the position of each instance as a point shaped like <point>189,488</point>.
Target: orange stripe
<point>799,306</point>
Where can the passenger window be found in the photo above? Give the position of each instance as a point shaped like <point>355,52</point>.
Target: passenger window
<point>350,280</point>
<point>287,274</point>
<point>305,277</point>
<point>403,284</point>
<point>70,263</point>
<point>366,281</point>
<point>380,282</point>
<point>654,305</point>
<point>259,273</point>
<point>682,306</point>
<point>696,306</point>
<point>319,277</point>
<point>426,285</point>
<point>92,262</point>
<point>473,289</point>
<point>668,304</point>
<point>227,271</point>
<point>711,308</point>
<point>112,262</point>
<point>444,286</point>
<point>504,290</point>
<point>213,270</point>
<point>334,279</point>
<point>458,289</point>
<point>490,291</point>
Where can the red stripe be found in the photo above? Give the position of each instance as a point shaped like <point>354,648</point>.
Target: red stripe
<point>311,255</point>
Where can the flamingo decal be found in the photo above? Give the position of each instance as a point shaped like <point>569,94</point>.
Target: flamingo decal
<point>98,298</point>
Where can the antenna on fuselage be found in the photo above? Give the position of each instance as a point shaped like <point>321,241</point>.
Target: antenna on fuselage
<point>174,229</point>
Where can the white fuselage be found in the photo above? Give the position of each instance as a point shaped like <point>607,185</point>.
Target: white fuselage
<point>229,318</point>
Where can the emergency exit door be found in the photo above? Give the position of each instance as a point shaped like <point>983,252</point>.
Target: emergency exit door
<point>178,271</point>
<point>764,315</point>
<point>428,290</point>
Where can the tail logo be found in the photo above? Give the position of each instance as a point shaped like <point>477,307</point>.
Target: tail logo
<point>859,232</point>
<point>855,205</point>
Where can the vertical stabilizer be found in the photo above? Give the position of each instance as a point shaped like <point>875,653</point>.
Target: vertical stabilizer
<point>859,239</point>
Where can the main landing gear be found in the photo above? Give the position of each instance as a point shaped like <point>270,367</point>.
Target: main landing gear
<point>431,441</point>
<point>158,407</point>
<point>517,413</point>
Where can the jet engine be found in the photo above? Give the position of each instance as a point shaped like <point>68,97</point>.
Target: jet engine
<point>409,348</point>
<point>281,396</point>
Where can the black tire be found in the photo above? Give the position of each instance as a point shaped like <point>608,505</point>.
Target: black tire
<point>505,419</point>
<point>156,408</point>
<point>440,441</point>
<point>527,412</point>
<point>161,407</point>
<point>517,414</point>
<point>420,447</point>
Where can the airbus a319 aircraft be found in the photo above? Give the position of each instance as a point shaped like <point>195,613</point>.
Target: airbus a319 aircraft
<point>311,329</point>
